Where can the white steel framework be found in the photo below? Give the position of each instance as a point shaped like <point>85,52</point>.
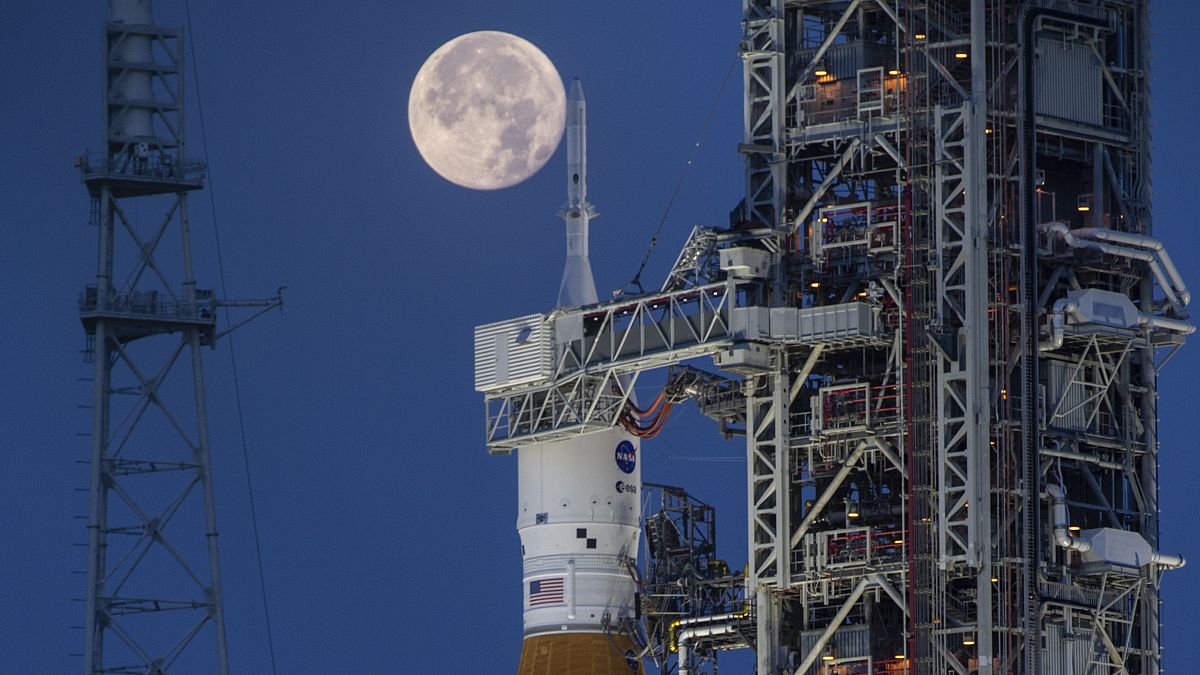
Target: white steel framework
<point>976,173</point>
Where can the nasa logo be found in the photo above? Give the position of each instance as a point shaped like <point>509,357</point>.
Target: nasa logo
<point>626,456</point>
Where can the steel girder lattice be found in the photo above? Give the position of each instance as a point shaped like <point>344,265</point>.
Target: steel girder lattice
<point>976,173</point>
<point>153,597</point>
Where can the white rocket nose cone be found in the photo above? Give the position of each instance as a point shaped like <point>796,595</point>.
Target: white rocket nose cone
<point>576,93</point>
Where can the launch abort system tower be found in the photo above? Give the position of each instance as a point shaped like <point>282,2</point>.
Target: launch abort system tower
<point>938,315</point>
<point>153,596</point>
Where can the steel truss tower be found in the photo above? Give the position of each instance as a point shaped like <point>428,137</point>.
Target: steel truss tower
<point>940,315</point>
<point>153,576</point>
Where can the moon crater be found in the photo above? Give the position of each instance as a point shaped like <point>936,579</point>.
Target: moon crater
<point>487,110</point>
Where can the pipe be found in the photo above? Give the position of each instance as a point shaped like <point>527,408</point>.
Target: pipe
<point>1080,457</point>
<point>1142,241</point>
<point>1166,324</point>
<point>688,634</point>
<point>1062,536</point>
<point>1169,560</point>
<point>1062,307</point>
<point>1177,294</point>
<point>713,618</point>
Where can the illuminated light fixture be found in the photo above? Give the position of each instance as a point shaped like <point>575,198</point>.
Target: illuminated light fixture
<point>862,294</point>
<point>988,131</point>
<point>815,284</point>
<point>1074,528</point>
<point>897,541</point>
<point>894,71</point>
<point>827,653</point>
<point>919,36</point>
<point>960,55</point>
<point>900,657</point>
<point>995,580</point>
<point>1084,203</point>
<point>968,640</point>
<point>821,70</point>
<point>852,510</point>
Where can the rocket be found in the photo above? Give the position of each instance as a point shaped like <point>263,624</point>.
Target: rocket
<point>577,287</point>
<point>579,507</point>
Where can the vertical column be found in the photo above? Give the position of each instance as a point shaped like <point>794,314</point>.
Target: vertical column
<point>203,455</point>
<point>93,654</point>
<point>767,497</point>
<point>977,331</point>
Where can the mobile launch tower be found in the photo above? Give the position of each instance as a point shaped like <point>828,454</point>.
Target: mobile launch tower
<point>937,317</point>
<point>153,596</point>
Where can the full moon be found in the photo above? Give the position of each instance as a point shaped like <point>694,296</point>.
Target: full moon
<point>487,110</point>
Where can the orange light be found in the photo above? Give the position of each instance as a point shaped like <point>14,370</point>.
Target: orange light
<point>1074,528</point>
<point>893,71</point>
<point>995,580</point>
<point>815,284</point>
<point>897,541</point>
<point>919,36</point>
<point>988,131</point>
<point>820,72</point>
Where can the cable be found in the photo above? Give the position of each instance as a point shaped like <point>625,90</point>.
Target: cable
<point>237,392</point>
<point>637,278</point>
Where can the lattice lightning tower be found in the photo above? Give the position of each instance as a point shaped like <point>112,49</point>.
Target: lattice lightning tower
<point>153,596</point>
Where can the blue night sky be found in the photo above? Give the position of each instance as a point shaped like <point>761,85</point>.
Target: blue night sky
<point>387,531</point>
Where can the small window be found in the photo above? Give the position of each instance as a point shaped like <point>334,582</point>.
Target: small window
<point>581,533</point>
<point>591,543</point>
<point>542,518</point>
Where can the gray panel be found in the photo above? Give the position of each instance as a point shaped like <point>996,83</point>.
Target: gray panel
<point>1067,403</point>
<point>1069,653</point>
<point>512,352</point>
<point>849,642</point>
<point>1068,82</point>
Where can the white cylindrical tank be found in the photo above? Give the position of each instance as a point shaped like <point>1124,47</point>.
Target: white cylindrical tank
<point>579,514</point>
<point>134,86</point>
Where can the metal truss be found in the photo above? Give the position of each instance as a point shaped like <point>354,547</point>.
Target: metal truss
<point>764,57</point>
<point>595,347</point>
<point>696,264</point>
<point>963,456</point>
<point>894,481</point>
<point>153,599</point>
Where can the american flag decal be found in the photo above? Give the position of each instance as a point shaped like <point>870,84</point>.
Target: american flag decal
<point>545,592</point>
